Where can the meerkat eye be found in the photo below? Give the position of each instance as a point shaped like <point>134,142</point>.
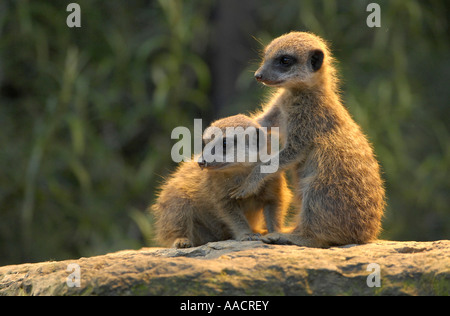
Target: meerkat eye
<point>287,60</point>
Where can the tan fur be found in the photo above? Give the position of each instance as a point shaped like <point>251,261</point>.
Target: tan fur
<point>337,178</point>
<point>194,206</point>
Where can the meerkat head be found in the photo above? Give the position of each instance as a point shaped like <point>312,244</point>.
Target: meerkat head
<point>231,143</point>
<point>295,60</point>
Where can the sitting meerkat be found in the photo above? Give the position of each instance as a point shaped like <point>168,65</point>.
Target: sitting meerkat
<point>337,178</point>
<point>194,207</point>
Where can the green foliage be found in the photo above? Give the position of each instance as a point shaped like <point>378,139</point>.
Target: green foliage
<point>86,114</point>
<point>86,118</point>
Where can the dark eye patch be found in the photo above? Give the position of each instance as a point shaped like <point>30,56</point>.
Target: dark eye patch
<point>286,60</point>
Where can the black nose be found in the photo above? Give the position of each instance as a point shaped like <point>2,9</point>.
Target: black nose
<point>258,76</point>
<point>202,164</point>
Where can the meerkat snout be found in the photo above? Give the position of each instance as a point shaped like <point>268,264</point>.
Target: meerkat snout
<point>202,164</point>
<point>258,76</point>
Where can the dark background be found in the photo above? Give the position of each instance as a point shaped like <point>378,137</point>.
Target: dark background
<point>86,113</point>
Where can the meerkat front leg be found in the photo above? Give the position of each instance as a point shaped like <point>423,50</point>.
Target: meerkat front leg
<point>273,217</point>
<point>251,185</point>
<point>234,217</point>
<point>270,118</point>
<point>254,181</point>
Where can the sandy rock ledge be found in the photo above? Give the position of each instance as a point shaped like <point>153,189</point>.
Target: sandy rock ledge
<point>243,268</point>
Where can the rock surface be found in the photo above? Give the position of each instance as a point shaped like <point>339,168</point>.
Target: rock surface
<point>243,268</point>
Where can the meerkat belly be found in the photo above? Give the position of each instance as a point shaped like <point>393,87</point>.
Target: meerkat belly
<point>341,182</point>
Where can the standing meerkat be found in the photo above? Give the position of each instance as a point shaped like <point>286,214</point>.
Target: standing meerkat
<point>337,178</point>
<point>194,206</point>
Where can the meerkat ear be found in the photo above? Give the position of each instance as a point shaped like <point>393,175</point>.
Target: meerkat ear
<point>316,59</point>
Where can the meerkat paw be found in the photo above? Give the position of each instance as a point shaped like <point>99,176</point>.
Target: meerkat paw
<point>277,238</point>
<point>182,243</point>
<point>240,193</point>
<point>249,236</point>
<point>291,239</point>
<point>250,186</point>
<point>245,190</point>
